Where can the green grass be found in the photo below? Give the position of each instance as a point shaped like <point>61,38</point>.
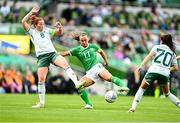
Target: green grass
<point>68,108</point>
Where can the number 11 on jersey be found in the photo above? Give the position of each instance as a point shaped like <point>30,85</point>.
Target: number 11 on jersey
<point>86,54</point>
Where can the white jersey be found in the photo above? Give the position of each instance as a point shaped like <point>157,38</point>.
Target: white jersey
<point>42,40</point>
<point>163,60</point>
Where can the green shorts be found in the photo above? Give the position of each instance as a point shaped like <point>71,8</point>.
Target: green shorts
<point>45,59</point>
<point>161,79</point>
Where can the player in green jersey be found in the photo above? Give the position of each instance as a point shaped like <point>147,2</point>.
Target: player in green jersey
<point>86,53</point>
<point>164,62</point>
<point>45,51</point>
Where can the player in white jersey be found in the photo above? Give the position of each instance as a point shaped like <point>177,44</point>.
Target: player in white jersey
<point>164,62</point>
<point>45,51</point>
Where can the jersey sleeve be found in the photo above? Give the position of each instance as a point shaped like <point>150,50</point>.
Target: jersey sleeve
<point>29,32</point>
<point>154,50</point>
<point>97,48</point>
<point>51,31</point>
<point>74,51</point>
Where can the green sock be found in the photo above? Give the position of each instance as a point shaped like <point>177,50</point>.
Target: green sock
<point>117,81</point>
<point>84,95</point>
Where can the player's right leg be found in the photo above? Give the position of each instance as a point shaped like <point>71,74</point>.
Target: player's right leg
<point>61,62</point>
<point>106,75</point>
<point>42,73</point>
<point>171,97</point>
<point>138,95</point>
<point>83,93</point>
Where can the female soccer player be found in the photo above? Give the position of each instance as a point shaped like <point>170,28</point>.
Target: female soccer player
<point>164,61</point>
<point>86,53</point>
<point>45,51</point>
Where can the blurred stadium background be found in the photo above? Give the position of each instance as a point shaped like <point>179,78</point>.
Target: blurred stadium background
<point>125,29</point>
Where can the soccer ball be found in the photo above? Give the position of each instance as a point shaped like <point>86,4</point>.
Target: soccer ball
<point>110,96</point>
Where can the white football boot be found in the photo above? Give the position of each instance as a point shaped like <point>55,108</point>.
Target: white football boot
<point>81,85</point>
<point>131,110</point>
<point>38,105</point>
<point>87,106</point>
<point>123,91</point>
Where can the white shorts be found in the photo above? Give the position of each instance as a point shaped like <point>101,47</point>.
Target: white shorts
<point>94,71</point>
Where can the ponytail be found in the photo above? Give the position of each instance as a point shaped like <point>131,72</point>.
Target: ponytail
<point>167,40</point>
<point>76,35</point>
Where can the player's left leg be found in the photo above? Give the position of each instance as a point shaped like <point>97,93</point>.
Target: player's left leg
<point>138,95</point>
<point>106,75</point>
<point>171,97</point>
<point>42,73</point>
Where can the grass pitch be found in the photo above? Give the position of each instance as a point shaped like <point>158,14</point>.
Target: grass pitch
<point>68,108</point>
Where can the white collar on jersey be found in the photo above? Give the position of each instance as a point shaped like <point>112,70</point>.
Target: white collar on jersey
<point>84,47</point>
<point>40,31</point>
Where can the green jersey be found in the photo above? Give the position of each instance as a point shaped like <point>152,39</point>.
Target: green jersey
<point>87,55</point>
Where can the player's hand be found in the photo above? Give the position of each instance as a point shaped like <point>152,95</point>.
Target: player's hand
<point>59,28</point>
<point>35,10</point>
<point>58,25</point>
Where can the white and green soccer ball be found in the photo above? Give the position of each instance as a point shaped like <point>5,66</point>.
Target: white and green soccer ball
<point>110,96</point>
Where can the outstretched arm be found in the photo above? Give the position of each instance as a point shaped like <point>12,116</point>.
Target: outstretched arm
<point>65,53</point>
<point>25,19</point>
<point>145,61</point>
<point>104,57</point>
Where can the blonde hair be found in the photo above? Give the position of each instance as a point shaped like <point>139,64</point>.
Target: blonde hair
<point>34,20</point>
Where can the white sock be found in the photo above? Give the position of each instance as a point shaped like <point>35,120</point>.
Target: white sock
<point>137,97</point>
<point>41,92</point>
<point>173,98</point>
<point>72,75</point>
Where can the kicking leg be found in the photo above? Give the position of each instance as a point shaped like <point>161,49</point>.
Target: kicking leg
<point>61,62</point>
<point>105,75</point>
